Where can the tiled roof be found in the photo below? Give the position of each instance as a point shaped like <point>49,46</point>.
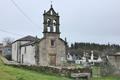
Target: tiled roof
<point>27,38</point>
<point>63,41</point>
<point>32,42</point>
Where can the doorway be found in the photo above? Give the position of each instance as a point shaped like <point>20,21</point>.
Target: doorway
<point>52,59</point>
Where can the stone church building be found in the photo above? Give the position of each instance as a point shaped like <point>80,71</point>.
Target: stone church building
<point>47,51</point>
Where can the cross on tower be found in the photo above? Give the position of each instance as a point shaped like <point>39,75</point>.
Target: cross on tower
<point>51,3</point>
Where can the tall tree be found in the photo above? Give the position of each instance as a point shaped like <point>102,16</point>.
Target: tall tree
<point>8,40</point>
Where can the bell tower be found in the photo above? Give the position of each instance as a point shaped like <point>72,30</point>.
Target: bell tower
<point>51,22</point>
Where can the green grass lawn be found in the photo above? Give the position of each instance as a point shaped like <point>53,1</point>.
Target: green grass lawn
<point>11,73</point>
<point>96,75</point>
<point>107,78</point>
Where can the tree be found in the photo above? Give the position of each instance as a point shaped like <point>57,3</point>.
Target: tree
<point>8,40</point>
<point>72,46</point>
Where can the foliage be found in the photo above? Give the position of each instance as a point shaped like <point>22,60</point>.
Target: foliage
<point>97,75</point>
<point>98,49</point>
<point>93,46</point>
<point>8,40</point>
<point>107,78</point>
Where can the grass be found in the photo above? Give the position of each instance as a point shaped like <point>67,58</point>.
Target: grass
<point>96,71</point>
<point>11,73</point>
<point>96,75</point>
<point>107,78</point>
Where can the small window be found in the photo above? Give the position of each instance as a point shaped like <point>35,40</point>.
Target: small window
<point>51,12</point>
<point>52,43</point>
<point>8,49</point>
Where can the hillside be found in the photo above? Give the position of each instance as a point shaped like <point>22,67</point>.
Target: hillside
<point>10,73</point>
<point>97,49</point>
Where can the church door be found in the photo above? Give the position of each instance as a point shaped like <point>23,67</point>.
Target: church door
<point>52,59</point>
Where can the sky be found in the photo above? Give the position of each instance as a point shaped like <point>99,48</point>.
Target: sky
<point>95,21</point>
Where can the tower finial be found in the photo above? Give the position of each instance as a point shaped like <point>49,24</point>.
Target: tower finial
<point>51,3</point>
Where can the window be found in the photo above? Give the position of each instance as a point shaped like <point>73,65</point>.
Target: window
<point>51,12</point>
<point>9,50</point>
<point>52,43</point>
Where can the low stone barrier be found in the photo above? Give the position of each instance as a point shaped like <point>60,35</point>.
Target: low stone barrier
<point>78,76</point>
<point>56,70</point>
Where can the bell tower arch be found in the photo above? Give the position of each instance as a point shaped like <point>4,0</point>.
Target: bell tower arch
<point>51,22</point>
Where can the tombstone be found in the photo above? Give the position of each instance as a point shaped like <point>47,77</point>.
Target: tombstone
<point>86,64</point>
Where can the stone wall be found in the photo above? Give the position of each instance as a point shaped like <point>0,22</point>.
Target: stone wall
<point>45,50</point>
<point>66,72</point>
<point>115,61</point>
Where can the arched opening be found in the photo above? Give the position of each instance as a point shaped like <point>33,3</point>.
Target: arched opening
<point>48,29</point>
<point>48,22</point>
<point>54,25</point>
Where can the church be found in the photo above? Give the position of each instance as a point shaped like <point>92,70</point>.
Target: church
<point>50,50</point>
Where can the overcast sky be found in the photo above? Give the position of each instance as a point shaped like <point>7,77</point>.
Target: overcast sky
<point>80,20</point>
